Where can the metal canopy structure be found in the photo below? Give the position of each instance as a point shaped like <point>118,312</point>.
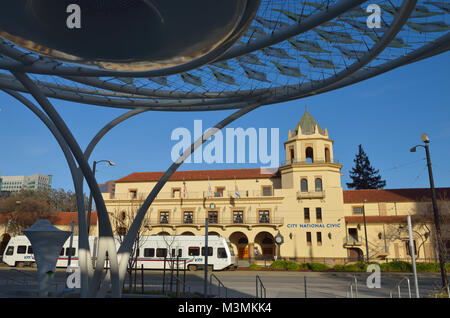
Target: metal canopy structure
<point>280,50</point>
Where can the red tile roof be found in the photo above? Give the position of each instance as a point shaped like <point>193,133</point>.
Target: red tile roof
<point>376,219</point>
<point>201,175</point>
<point>391,219</point>
<point>64,218</point>
<point>394,195</point>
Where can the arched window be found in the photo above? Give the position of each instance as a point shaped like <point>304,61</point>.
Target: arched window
<point>327,155</point>
<point>309,155</point>
<point>318,185</point>
<point>123,215</point>
<point>304,185</point>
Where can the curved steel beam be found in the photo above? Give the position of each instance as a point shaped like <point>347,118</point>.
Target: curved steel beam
<point>83,242</point>
<point>29,64</point>
<point>281,35</point>
<point>438,46</point>
<point>106,239</point>
<point>287,32</point>
<point>164,105</point>
<point>127,244</point>
<point>102,132</point>
<point>282,94</point>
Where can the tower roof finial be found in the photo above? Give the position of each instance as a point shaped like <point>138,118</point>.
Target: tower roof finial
<point>307,125</point>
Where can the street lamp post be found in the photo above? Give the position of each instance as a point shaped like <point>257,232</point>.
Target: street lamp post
<point>109,163</point>
<point>426,141</point>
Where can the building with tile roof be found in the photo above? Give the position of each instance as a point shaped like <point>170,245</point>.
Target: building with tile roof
<point>302,201</point>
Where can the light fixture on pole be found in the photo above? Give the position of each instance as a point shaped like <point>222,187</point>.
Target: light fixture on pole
<point>426,141</point>
<point>279,239</point>
<point>109,163</point>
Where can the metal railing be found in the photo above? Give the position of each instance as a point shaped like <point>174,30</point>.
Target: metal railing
<point>220,221</point>
<point>261,289</point>
<point>285,163</point>
<point>353,239</point>
<point>242,193</point>
<point>354,284</point>
<point>310,194</point>
<point>220,285</point>
<point>399,289</point>
<point>178,282</point>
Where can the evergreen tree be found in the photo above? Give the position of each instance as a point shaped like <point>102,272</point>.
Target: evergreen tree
<point>364,176</point>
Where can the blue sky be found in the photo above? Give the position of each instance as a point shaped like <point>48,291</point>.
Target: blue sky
<point>385,114</point>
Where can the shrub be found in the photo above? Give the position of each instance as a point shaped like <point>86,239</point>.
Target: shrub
<point>317,267</point>
<point>292,266</point>
<point>396,266</point>
<point>338,267</point>
<point>361,265</point>
<point>278,264</point>
<point>304,266</point>
<point>352,268</point>
<point>427,267</point>
<point>431,267</point>
<point>254,266</point>
<point>287,265</point>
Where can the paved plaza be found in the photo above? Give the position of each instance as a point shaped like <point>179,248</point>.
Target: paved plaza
<point>242,284</point>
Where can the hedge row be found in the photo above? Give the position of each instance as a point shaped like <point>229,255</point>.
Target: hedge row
<point>394,266</point>
<point>292,266</point>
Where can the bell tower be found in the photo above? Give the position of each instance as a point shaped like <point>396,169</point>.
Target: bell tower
<point>309,150</point>
<point>308,143</point>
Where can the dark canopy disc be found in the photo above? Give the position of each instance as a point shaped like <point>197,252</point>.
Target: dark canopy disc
<point>123,34</point>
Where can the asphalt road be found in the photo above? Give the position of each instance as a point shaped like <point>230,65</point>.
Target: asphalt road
<point>242,284</point>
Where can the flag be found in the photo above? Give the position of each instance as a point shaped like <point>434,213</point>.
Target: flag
<point>236,190</point>
<point>184,189</point>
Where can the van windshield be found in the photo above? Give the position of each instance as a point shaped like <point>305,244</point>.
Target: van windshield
<point>231,249</point>
<point>10,250</point>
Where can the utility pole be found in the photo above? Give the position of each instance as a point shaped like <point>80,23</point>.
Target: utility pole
<point>365,231</point>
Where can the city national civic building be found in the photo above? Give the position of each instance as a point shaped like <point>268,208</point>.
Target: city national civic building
<point>302,205</point>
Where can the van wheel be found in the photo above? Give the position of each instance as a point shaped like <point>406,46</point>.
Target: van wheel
<point>192,268</point>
